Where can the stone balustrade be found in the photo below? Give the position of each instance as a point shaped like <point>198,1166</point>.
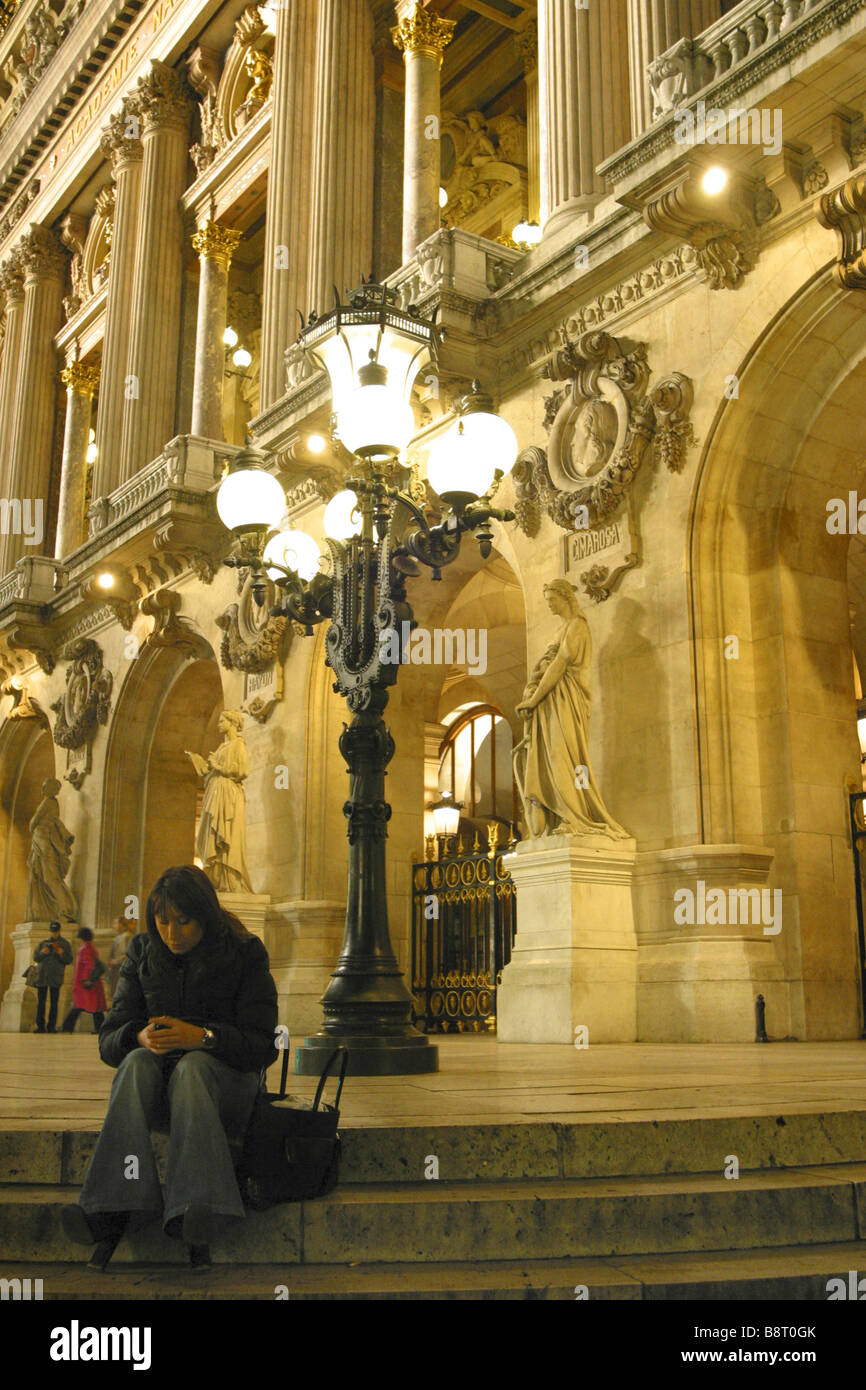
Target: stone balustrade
<point>748,33</point>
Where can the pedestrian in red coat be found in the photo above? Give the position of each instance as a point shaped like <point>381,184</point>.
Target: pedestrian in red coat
<point>88,993</point>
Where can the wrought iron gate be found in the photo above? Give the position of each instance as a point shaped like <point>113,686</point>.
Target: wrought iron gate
<point>463,924</point>
<point>858,840</point>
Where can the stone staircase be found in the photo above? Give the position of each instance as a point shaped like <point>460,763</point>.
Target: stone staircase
<point>630,1210</point>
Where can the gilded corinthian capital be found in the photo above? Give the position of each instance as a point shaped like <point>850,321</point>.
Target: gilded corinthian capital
<point>80,379</point>
<point>424,32</point>
<point>12,279</point>
<point>217,243</point>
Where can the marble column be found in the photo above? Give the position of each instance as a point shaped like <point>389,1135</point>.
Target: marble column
<point>653,27</point>
<point>31,426</point>
<point>215,246</point>
<point>527,45</point>
<point>583,96</point>
<point>163,104</point>
<point>423,38</point>
<point>12,288</point>
<point>125,153</point>
<point>341,226</point>
<point>284,289</point>
<point>80,381</point>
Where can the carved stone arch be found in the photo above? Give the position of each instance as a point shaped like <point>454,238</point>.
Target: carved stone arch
<point>26,759</point>
<point>97,247</point>
<point>237,100</point>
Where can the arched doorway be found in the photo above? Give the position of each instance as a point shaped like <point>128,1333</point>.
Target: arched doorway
<point>26,760</point>
<point>169,703</point>
<point>773,671</point>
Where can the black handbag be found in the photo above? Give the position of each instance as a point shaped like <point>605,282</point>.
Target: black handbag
<point>292,1150</point>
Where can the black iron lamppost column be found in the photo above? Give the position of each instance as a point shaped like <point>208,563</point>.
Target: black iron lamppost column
<point>377,537</point>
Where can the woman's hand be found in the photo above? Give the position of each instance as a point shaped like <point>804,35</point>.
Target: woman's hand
<point>526,708</point>
<point>171,1035</point>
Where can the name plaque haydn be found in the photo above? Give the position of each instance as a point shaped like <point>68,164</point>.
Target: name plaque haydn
<point>263,690</point>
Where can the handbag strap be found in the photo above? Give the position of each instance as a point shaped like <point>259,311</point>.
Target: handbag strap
<point>284,1070</point>
<point>323,1078</point>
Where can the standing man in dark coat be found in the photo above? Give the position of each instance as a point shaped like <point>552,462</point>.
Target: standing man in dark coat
<point>52,956</point>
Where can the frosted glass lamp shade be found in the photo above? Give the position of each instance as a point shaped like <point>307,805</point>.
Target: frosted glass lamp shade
<point>294,550</point>
<point>466,459</point>
<point>446,815</point>
<point>250,498</point>
<point>375,420</point>
<point>342,518</point>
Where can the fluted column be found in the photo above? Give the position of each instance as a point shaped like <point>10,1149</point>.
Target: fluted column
<point>653,27</point>
<point>423,38</point>
<point>125,153</point>
<point>583,102</point>
<point>12,288</point>
<point>284,291</point>
<point>150,390</point>
<point>31,428</point>
<point>80,382</point>
<point>341,227</point>
<point>527,45</point>
<point>215,246</point>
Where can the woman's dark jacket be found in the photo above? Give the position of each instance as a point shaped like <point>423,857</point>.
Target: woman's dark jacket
<point>230,990</point>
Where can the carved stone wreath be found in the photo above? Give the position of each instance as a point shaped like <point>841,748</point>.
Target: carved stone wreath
<point>252,640</point>
<point>86,702</point>
<point>600,425</point>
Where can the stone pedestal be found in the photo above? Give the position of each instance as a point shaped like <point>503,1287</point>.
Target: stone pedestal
<point>574,962</point>
<point>249,908</point>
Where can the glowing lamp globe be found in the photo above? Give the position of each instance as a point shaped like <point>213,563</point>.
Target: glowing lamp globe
<point>294,550</point>
<point>446,814</point>
<point>342,518</point>
<point>527,234</point>
<point>375,421</point>
<point>478,445</point>
<point>249,498</point>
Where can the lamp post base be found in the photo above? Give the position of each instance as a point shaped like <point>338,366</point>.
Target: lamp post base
<point>410,1055</point>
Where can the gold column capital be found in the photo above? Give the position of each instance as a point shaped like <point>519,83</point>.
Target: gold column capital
<point>424,32</point>
<point>214,242</point>
<point>80,379</point>
<point>526,43</point>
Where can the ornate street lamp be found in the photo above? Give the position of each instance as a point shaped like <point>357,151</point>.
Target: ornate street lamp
<point>377,536</point>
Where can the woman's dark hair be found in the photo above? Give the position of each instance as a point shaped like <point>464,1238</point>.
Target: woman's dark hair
<point>188,890</point>
<point>84,933</point>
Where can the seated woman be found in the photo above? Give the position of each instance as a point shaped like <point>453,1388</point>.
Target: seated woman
<point>191,1026</point>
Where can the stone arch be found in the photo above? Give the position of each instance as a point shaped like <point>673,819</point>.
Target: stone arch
<point>168,702</point>
<point>776,732</point>
<point>26,759</point>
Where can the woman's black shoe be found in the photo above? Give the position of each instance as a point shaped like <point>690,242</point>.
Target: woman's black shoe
<point>199,1257</point>
<point>198,1225</point>
<point>103,1253</point>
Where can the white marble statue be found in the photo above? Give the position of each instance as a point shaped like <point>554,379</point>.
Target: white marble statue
<point>221,844</point>
<point>557,787</point>
<point>48,896</point>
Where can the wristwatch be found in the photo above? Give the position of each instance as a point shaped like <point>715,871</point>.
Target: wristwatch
<point>208,1042</point>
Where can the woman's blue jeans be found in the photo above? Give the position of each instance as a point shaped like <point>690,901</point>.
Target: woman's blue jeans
<point>197,1099</point>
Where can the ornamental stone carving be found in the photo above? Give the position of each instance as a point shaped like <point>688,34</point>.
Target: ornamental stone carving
<point>86,702</point>
<point>41,255</point>
<point>721,228</point>
<point>161,97</point>
<point>216,243</point>
<point>844,212</point>
<point>120,141</point>
<point>253,640</point>
<point>73,233</point>
<point>169,629</point>
<point>601,425</point>
<point>483,161</point>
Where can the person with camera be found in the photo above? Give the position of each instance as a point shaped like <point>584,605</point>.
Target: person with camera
<point>51,958</point>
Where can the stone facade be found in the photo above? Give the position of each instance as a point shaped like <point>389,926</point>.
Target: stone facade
<point>684,369</point>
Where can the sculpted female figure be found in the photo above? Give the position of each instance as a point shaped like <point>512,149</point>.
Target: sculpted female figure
<point>559,792</point>
<point>221,844</point>
<point>48,897</point>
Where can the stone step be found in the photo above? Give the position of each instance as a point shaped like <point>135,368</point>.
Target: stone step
<point>468,1153</point>
<point>790,1273</point>
<point>531,1220</point>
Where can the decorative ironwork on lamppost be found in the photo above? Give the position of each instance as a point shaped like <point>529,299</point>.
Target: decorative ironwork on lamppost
<point>377,537</point>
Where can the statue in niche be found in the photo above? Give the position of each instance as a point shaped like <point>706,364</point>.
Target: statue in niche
<point>259,70</point>
<point>48,896</point>
<point>221,843</point>
<point>557,787</point>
